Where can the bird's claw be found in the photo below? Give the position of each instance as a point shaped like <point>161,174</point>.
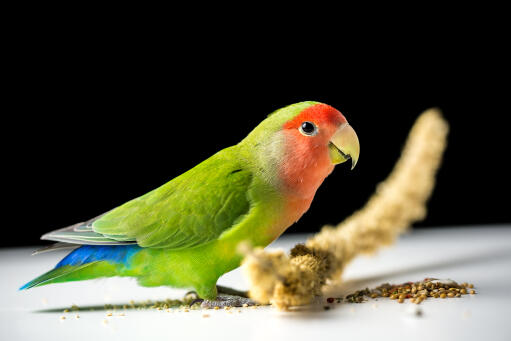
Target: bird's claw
<point>223,300</point>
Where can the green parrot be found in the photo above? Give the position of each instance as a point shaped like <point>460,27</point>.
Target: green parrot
<point>186,233</point>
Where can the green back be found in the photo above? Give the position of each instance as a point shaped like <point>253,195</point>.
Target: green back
<point>191,209</point>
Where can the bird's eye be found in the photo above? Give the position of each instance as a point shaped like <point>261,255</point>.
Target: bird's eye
<point>308,128</point>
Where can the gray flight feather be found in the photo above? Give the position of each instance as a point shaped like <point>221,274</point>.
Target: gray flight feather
<point>83,234</point>
<point>55,247</point>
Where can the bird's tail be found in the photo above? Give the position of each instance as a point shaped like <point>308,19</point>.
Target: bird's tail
<point>88,262</point>
<point>56,275</point>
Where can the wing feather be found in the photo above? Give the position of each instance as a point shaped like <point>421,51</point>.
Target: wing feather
<point>191,209</point>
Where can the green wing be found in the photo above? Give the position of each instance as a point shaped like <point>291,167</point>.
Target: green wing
<point>191,209</point>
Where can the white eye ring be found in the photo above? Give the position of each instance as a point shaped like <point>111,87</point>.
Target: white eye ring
<point>308,129</point>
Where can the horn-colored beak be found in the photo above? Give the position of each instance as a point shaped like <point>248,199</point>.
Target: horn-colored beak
<point>344,145</point>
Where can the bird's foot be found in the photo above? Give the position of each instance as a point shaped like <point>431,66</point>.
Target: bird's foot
<point>226,297</point>
<point>225,300</point>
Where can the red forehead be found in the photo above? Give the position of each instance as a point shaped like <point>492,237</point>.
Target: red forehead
<point>318,113</point>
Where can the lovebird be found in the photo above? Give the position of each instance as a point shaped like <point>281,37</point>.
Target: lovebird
<point>187,233</point>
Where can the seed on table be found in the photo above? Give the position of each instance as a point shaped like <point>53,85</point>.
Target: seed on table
<point>393,296</point>
<point>470,285</point>
<point>374,295</point>
<point>451,294</point>
<point>401,300</point>
<point>443,295</point>
<point>463,291</point>
<point>472,292</point>
<point>402,296</point>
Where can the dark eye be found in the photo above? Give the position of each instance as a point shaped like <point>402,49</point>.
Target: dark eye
<point>308,128</point>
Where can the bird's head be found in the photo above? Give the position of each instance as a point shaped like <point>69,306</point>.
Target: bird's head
<point>303,142</point>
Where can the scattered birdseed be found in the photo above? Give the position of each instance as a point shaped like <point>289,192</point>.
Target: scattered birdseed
<point>216,308</point>
<point>326,307</point>
<point>415,291</point>
<point>244,305</point>
<point>77,316</point>
<point>62,317</point>
<point>109,314</point>
<point>205,315</point>
<point>472,292</point>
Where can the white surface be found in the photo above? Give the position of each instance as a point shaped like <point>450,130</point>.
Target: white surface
<point>480,255</point>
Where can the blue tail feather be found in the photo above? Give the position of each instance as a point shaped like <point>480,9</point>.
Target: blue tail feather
<point>82,257</point>
<point>92,253</point>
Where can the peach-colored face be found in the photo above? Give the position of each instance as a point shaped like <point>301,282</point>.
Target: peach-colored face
<point>306,162</point>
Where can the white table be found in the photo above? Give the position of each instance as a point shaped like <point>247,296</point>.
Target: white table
<point>479,254</point>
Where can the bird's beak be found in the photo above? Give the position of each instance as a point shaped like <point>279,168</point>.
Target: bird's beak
<point>344,145</point>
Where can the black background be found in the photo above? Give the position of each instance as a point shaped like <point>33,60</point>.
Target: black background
<point>93,123</point>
